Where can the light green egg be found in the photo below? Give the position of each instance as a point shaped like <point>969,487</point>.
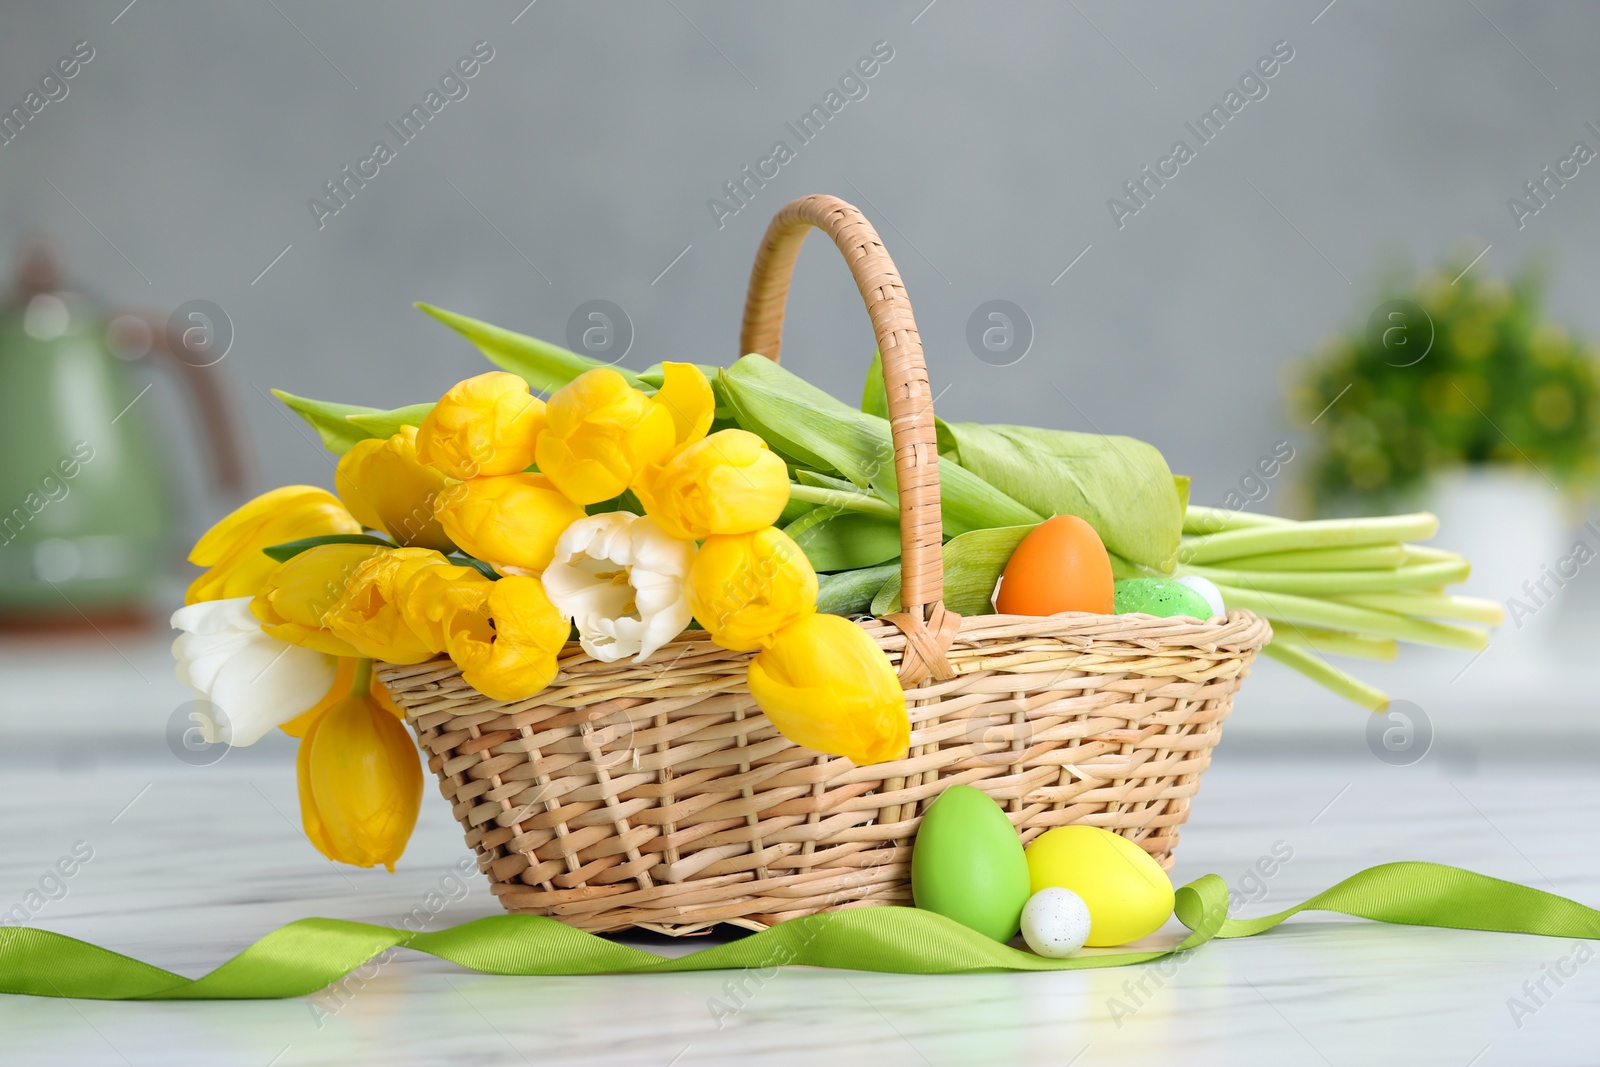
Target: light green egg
<point>1159,596</point>
<point>968,864</point>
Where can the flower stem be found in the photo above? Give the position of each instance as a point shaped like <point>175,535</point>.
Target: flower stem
<point>1321,671</point>
<point>1432,605</point>
<point>839,498</point>
<point>1203,520</point>
<point>1309,611</point>
<point>1339,642</point>
<point>1337,583</point>
<point>1324,533</point>
<point>361,684</point>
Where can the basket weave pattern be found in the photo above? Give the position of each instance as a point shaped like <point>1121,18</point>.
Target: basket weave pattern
<point>657,794</point>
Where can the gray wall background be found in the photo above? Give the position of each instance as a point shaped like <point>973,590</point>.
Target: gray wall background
<point>984,151</point>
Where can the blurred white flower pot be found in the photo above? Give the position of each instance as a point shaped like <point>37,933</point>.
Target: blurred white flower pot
<point>1513,526</point>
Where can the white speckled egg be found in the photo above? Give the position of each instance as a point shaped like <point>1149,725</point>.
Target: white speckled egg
<point>1055,922</point>
<point>1208,589</point>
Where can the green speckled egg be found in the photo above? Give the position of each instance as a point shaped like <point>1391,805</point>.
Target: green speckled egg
<point>968,864</point>
<point>1159,596</point>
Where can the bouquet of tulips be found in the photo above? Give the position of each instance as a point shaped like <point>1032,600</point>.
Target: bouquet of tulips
<point>494,527</point>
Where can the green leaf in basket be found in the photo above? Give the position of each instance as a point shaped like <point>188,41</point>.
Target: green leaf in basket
<point>388,423</point>
<point>461,559</point>
<point>625,502</point>
<point>826,481</point>
<point>851,592</point>
<point>972,565</point>
<point>760,406</point>
<point>837,540</point>
<point>330,420</point>
<point>874,397</point>
<point>1119,485</point>
<point>546,367</point>
<point>811,429</point>
<point>291,549</point>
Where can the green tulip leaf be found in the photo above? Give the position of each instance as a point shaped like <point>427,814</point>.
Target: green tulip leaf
<point>290,549</point>
<point>330,420</point>
<point>811,429</point>
<point>1119,485</point>
<point>545,367</point>
<point>341,425</point>
<point>838,540</point>
<point>388,423</point>
<point>461,559</point>
<point>874,395</point>
<point>851,592</point>
<point>973,564</point>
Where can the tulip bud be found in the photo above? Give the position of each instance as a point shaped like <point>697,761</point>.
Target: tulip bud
<point>485,425</point>
<point>743,588</point>
<point>360,781</point>
<point>728,483</point>
<point>509,652</point>
<point>602,433</point>
<point>826,684</point>
<point>511,520</point>
<point>389,489</point>
<point>232,548</point>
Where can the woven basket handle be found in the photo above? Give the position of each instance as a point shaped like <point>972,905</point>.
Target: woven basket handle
<point>905,375</point>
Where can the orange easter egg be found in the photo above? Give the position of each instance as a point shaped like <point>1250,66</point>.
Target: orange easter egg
<point>1060,566</point>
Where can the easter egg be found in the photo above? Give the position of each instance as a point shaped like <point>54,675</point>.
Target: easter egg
<point>967,863</point>
<point>1061,565</point>
<point>1165,597</point>
<point>1208,589</point>
<point>1055,922</point>
<point>1127,892</point>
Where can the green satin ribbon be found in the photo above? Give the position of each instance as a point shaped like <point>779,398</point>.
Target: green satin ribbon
<point>309,955</point>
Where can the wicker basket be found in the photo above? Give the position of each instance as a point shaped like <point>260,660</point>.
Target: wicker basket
<point>658,795</point>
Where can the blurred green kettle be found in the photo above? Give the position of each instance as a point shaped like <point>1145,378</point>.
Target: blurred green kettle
<point>86,514</point>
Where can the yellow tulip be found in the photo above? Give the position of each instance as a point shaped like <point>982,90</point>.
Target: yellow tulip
<point>826,685</point>
<point>432,599</point>
<point>743,588</point>
<point>515,657</point>
<point>232,548</point>
<point>389,489</point>
<point>377,617</point>
<point>603,434</point>
<point>485,425</point>
<point>302,592</point>
<point>360,781</point>
<point>728,483</point>
<point>510,520</point>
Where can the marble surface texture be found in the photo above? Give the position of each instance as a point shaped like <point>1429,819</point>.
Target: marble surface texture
<point>190,864</point>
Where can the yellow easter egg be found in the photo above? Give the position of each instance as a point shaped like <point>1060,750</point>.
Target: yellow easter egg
<point>1128,894</point>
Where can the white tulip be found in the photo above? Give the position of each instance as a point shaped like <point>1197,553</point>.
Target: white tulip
<point>620,578</point>
<point>254,680</point>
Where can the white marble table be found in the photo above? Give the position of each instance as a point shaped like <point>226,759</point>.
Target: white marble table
<point>190,864</point>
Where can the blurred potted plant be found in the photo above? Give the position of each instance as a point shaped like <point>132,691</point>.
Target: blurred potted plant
<point>1457,396</point>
